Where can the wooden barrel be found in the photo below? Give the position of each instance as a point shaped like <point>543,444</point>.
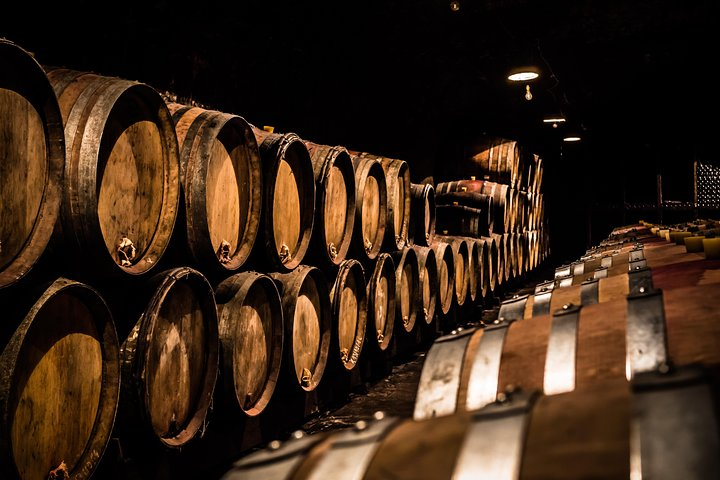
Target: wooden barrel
<point>371,204</point>
<point>683,270</point>
<point>501,264</point>
<point>500,193</point>
<point>575,347</point>
<point>461,263</point>
<point>170,358</point>
<point>498,160</point>
<point>615,429</point>
<point>381,299</point>
<point>349,307</point>
<point>446,274</point>
<point>288,201</point>
<point>250,315</point>
<point>490,268</point>
<point>334,204</point>
<point>33,159</point>
<point>428,270</point>
<point>221,175</point>
<point>477,200</point>
<point>459,220</point>
<point>511,266</point>
<point>474,268</point>
<point>407,281</point>
<point>307,317</point>
<point>121,185</point>
<point>397,175</point>
<point>59,383</point>
<point>422,214</point>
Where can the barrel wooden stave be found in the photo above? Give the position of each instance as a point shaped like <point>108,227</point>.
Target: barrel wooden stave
<point>371,206</point>
<point>422,214</point>
<point>382,299</point>
<point>349,307</point>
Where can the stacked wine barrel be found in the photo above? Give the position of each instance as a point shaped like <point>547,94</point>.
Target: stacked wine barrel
<point>620,381</point>
<point>167,267</point>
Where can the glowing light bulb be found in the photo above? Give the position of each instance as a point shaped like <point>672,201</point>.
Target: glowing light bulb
<point>528,95</point>
<point>455,6</point>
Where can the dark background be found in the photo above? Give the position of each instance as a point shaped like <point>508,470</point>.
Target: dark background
<point>418,81</point>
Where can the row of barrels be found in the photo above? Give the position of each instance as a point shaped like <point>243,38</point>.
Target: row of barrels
<point>144,364</point>
<point>108,168</point>
<point>480,207</point>
<point>623,385</point>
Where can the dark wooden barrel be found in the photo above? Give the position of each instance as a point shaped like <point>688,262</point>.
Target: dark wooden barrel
<point>511,266</point>
<point>307,317</point>
<point>170,358</point>
<point>381,300</point>
<point>498,159</point>
<point>490,268</point>
<point>121,185</point>
<point>446,274</point>
<point>500,265</point>
<point>288,202</point>
<point>475,275</point>
<point>371,204</point>
<point>422,214</point>
<point>500,193</point>
<point>250,316</point>
<point>407,281</point>
<point>33,159</point>
<point>59,383</point>
<point>221,175</point>
<point>334,204</point>
<point>428,269</point>
<point>616,429</point>
<point>349,307</point>
<point>459,220</point>
<point>475,200</point>
<point>397,176</point>
<point>576,346</point>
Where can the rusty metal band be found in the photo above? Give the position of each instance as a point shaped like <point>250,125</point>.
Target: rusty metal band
<point>276,462</point>
<point>607,262</point>
<point>637,253</point>
<point>601,272</point>
<point>640,280</point>
<point>578,268</point>
<point>545,286</point>
<point>560,357</point>
<point>645,335</point>
<point>562,271</point>
<point>635,264</point>
<point>513,308</point>
<point>673,431</point>
<point>440,376</point>
<point>541,303</point>
<point>485,367</point>
<point>589,291</point>
<point>493,445</point>
<point>351,451</point>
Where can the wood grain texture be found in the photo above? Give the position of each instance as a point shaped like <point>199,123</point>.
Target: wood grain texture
<point>60,379</point>
<point>32,148</point>
<point>349,306</point>
<point>122,179</point>
<point>251,332</point>
<point>382,298</point>
<point>370,208</point>
<point>308,324</point>
<point>427,267</point>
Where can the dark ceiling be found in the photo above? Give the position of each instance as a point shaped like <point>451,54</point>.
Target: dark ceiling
<point>418,81</point>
